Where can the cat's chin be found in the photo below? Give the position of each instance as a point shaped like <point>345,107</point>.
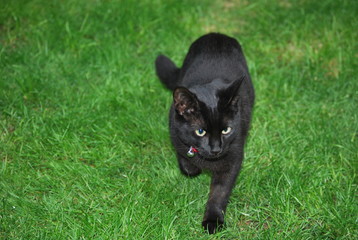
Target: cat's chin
<point>213,158</point>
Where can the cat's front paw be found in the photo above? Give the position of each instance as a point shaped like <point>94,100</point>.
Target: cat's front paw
<point>188,169</point>
<point>212,224</point>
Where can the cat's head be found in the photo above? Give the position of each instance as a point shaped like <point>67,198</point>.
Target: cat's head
<point>208,116</point>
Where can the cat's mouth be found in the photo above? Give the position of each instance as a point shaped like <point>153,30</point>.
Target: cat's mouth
<point>214,157</point>
<point>202,154</point>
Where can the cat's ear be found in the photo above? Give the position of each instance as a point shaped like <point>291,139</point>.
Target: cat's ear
<point>185,102</point>
<point>230,97</point>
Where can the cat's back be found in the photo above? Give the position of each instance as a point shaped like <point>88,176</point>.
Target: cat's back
<point>212,56</point>
<point>214,43</point>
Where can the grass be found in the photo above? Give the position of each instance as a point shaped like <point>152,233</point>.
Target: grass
<point>84,144</point>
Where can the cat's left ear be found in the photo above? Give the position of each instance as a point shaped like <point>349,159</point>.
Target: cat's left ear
<point>185,102</point>
<point>231,96</point>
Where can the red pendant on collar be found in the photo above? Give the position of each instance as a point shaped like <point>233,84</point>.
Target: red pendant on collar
<point>191,152</point>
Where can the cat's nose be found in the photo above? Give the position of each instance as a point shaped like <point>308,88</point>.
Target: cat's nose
<point>215,146</point>
<point>215,150</point>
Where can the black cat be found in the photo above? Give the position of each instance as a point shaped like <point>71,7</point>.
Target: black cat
<point>213,97</point>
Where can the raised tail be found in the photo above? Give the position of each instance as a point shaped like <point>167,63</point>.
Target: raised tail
<point>167,72</point>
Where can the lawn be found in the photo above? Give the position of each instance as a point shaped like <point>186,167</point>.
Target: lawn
<point>84,142</point>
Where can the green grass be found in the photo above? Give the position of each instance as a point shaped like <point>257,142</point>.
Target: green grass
<point>84,143</point>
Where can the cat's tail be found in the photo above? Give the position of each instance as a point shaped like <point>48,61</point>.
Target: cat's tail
<point>167,72</point>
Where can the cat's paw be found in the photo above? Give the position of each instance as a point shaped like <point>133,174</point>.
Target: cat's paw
<point>188,169</point>
<point>191,171</point>
<point>213,220</point>
<point>212,225</point>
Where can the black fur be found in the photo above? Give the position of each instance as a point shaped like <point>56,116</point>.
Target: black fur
<point>212,91</point>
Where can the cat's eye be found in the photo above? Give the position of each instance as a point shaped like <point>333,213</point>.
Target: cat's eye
<point>226,130</point>
<point>200,132</point>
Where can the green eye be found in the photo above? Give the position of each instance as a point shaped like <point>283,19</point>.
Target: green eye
<point>226,130</point>
<point>200,132</point>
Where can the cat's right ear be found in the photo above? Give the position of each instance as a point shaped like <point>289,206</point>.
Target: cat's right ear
<point>185,102</point>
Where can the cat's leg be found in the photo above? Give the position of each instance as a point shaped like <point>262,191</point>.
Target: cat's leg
<point>221,186</point>
<point>187,168</point>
